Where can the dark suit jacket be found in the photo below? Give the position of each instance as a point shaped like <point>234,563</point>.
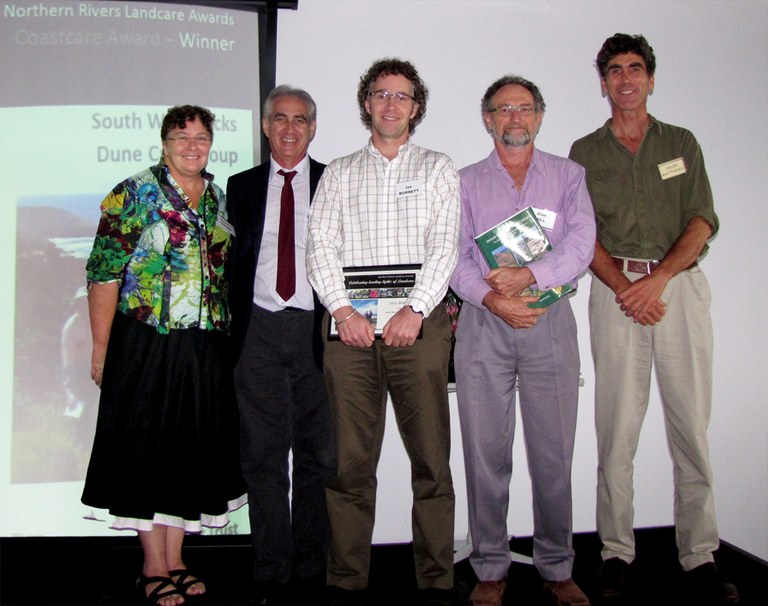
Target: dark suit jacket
<point>246,207</point>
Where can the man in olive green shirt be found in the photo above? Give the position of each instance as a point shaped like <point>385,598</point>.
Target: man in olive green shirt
<point>649,305</point>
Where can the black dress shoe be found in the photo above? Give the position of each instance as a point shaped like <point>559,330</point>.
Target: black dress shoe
<point>612,577</point>
<point>709,586</point>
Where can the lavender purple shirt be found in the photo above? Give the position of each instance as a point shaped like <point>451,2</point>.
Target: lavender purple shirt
<point>489,195</point>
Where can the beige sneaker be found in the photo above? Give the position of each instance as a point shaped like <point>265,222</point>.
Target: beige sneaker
<point>488,593</point>
<point>565,593</point>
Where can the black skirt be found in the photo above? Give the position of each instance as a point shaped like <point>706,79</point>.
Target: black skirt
<point>166,448</point>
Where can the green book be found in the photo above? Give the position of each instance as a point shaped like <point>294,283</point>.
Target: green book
<point>515,242</point>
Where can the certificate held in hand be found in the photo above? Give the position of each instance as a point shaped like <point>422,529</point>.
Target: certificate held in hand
<point>377,293</point>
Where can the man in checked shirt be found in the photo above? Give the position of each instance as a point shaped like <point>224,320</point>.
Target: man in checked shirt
<point>390,203</point>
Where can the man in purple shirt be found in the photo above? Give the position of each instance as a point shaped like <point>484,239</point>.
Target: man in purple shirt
<point>501,341</point>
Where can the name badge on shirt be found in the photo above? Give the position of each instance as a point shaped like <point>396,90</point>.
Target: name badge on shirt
<point>409,188</point>
<point>546,217</point>
<point>225,225</point>
<point>673,168</point>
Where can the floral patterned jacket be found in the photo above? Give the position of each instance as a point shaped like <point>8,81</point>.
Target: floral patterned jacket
<point>167,257</point>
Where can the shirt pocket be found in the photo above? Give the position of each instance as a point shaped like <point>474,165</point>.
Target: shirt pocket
<point>664,194</point>
<point>602,181</point>
<point>605,188</point>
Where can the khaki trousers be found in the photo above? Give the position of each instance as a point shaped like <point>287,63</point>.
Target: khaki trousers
<point>680,349</point>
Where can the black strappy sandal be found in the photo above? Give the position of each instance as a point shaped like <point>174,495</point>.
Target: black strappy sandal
<point>182,584</point>
<point>157,593</point>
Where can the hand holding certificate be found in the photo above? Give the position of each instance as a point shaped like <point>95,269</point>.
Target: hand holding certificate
<point>353,329</point>
<point>377,293</point>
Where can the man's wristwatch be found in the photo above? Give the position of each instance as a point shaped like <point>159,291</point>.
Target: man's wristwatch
<point>416,311</point>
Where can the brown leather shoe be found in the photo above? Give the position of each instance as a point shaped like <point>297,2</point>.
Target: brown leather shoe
<point>488,593</point>
<point>565,593</point>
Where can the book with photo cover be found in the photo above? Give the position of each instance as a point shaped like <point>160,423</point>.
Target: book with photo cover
<point>515,242</point>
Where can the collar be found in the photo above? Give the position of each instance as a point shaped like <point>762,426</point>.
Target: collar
<point>495,164</point>
<point>653,124</point>
<point>405,148</point>
<point>161,168</point>
<point>302,168</point>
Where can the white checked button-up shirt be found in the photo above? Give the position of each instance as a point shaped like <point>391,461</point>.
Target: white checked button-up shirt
<point>369,210</point>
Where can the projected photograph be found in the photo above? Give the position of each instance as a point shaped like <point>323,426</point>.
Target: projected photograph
<point>55,402</point>
<point>70,140</point>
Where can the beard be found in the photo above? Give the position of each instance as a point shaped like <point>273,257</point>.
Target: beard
<point>514,138</point>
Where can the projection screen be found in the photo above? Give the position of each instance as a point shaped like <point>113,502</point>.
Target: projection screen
<point>85,86</point>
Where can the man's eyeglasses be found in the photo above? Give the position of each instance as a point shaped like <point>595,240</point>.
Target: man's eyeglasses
<point>382,95</point>
<point>508,110</point>
<point>185,140</point>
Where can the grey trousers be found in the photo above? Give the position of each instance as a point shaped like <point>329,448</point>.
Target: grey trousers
<point>490,357</point>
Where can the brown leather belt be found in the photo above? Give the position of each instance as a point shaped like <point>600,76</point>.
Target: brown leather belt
<point>641,267</point>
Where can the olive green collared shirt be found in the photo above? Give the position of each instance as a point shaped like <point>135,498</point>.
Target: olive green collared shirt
<point>639,213</point>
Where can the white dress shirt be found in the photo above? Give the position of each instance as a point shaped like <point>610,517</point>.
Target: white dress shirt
<point>264,293</point>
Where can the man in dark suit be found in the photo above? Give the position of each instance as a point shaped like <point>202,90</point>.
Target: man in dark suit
<point>277,350</point>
